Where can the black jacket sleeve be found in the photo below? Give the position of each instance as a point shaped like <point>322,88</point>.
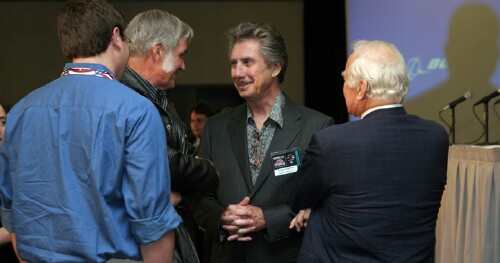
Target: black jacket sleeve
<point>191,175</point>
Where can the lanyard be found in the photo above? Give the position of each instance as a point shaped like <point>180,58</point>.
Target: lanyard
<point>88,71</point>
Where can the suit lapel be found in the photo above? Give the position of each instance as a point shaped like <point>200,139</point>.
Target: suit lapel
<point>237,128</point>
<point>282,140</point>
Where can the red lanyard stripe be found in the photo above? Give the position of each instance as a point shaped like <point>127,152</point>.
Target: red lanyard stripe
<point>88,72</point>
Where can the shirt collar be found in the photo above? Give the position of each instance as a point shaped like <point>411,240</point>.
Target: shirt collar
<point>150,90</point>
<point>95,66</point>
<point>276,111</point>
<point>388,106</point>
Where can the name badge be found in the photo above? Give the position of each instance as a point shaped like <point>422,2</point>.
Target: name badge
<point>285,162</point>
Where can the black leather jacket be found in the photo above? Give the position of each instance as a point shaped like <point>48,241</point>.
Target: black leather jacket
<point>190,176</point>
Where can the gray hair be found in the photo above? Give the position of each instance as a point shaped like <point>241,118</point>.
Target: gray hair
<point>382,65</point>
<point>156,26</point>
<point>272,44</point>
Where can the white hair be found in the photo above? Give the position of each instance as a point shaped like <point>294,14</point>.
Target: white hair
<point>382,66</point>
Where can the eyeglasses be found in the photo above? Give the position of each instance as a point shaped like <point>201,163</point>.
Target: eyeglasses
<point>129,42</point>
<point>126,39</point>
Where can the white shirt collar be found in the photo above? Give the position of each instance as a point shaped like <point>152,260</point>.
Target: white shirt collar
<point>388,106</point>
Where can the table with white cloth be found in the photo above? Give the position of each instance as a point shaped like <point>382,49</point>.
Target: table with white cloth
<point>468,225</point>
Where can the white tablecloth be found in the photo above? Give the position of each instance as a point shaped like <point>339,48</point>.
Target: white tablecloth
<point>468,225</point>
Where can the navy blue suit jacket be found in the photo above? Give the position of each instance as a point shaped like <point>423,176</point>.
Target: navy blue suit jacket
<point>375,187</point>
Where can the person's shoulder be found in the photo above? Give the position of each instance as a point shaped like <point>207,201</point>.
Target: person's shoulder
<point>433,126</point>
<point>127,92</point>
<point>118,97</point>
<point>34,97</point>
<point>427,123</point>
<point>94,92</point>
<point>429,126</point>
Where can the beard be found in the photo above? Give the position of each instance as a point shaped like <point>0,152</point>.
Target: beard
<point>168,63</point>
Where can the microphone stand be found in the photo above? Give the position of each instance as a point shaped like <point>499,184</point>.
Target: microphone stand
<point>486,126</point>
<point>452,127</point>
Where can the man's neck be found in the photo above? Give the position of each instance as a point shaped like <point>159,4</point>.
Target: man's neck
<point>98,59</point>
<point>143,67</point>
<point>261,108</point>
<point>372,103</point>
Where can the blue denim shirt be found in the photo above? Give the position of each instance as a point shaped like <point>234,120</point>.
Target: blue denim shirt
<point>80,173</point>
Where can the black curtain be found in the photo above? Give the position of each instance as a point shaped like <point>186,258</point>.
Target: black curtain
<point>325,57</point>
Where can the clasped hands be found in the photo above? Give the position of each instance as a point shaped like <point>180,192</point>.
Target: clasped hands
<point>241,219</point>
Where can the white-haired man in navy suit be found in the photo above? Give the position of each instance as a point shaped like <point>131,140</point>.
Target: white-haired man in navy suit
<point>374,185</point>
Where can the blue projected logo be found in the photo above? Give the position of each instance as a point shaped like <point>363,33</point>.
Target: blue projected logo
<point>415,67</point>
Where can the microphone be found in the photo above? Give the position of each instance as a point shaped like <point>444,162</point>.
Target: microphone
<point>496,102</point>
<point>454,103</point>
<point>487,98</point>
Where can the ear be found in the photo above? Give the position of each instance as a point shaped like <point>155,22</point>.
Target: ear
<point>362,89</point>
<point>276,70</point>
<point>156,52</point>
<point>116,38</point>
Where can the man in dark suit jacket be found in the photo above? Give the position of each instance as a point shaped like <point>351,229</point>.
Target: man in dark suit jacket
<point>256,148</point>
<point>374,185</point>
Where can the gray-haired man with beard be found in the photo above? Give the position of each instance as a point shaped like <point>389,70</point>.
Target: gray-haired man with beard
<point>159,43</point>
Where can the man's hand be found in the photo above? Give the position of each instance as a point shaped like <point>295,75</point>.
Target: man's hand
<point>4,236</point>
<point>241,219</point>
<point>175,198</point>
<point>300,220</point>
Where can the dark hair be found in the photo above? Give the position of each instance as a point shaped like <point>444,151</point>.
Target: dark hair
<point>5,105</point>
<point>203,108</point>
<point>85,27</point>
<point>272,44</point>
